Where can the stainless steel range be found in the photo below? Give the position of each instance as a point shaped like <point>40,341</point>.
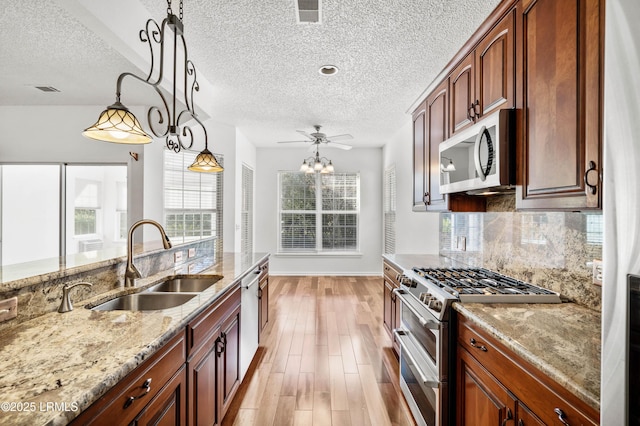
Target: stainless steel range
<point>426,337</point>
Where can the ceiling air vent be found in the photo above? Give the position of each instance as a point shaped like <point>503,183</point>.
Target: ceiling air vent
<point>308,11</point>
<point>47,88</point>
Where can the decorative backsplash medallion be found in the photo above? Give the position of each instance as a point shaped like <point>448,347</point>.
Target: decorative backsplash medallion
<point>550,249</point>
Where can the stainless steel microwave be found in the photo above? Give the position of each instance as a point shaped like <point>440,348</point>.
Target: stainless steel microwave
<point>480,160</point>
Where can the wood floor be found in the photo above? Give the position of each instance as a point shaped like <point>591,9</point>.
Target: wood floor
<point>325,358</point>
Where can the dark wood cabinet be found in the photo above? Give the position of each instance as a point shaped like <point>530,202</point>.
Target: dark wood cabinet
<point>420,159</point>
<point>561,82</point>
<point>494,384</point>
<point>213,365</point>
<point>463,94</point>
<point>436,131</point>
<point>153,393</point>
<point>391,305</point>
<point>168,407</point>
<point>482,400</point>
<point>263,296</point>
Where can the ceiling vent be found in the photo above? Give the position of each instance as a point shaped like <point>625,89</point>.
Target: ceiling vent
<point>308,11</point>
<point>47,88</point>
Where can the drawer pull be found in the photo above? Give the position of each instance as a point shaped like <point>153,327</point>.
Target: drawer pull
<point>561,416</point>
<point>146,386</point>
<point>483,348</point>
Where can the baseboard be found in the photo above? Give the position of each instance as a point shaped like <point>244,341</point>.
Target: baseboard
<point>325,274</point>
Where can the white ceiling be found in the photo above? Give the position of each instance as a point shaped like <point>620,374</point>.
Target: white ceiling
<point>262,65</point>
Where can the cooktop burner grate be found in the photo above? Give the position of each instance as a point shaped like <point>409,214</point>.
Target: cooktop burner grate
<point>479,281</point>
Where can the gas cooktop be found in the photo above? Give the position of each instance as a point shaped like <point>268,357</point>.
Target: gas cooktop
<point>483,285</point>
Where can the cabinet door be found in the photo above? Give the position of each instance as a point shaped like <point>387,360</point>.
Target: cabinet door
<point>526,417</point>
<point>481,399</point>
<point>168,408</point>
<point>203,383</point>
<point>387,301</point>
<point>263,306</point>
<point>462,92</point>
<point>495,72</point>
<point>229,361</point>
<point>436,132</point>
<point>562,121</point>
<point>419,159</point>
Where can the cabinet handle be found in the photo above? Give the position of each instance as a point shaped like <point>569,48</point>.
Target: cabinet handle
<point>219,346</point>
<point>426,198</point>
<point>474,105</point>
<point>509,417</point>
<point>483,348</point>
<point>259,294</point>
<point>561,416</point>
<point>146,386</point>
<point>520,422</point>
<point>592,168</point>
<point>472,114</point>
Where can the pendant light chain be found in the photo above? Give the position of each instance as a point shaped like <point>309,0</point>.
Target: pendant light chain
<point>170,11</point>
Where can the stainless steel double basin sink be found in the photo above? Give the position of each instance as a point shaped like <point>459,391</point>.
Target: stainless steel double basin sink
<point>167,294</point>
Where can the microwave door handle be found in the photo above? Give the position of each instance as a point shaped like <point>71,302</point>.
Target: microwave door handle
<point>476,154</point>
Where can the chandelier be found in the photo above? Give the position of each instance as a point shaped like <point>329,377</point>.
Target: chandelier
<point>118,125</point>
<point>317,164</point>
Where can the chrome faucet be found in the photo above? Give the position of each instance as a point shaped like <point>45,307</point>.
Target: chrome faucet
<point>132,272</point>
<point>65,304</point>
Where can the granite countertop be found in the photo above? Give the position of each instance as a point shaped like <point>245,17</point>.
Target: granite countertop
<point>561,340</point>
<point>72,359</point>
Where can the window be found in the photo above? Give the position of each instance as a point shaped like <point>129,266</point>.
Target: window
<point>390,210</point>
<point>86,206</point>
<point>192,200</point>
<point>319,212</point>
<point>246,237</point>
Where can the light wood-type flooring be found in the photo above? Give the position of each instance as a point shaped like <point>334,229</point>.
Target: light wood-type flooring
<point>324,359</point>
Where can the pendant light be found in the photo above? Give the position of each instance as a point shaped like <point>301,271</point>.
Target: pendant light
<point>317,164</point>
<point>119,125</point>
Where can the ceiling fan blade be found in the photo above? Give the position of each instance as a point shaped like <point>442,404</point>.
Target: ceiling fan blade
<point>340,137</point>
<point>302,132</point>
<point>292,142</point>
<point>340,145</point>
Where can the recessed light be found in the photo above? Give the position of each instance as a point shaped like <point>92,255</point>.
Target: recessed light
<point>328,70</point>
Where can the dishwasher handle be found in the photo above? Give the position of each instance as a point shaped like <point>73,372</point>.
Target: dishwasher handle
<point>251,278</point>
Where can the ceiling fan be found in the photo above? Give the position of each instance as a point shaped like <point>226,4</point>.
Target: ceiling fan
<point>318,138</point>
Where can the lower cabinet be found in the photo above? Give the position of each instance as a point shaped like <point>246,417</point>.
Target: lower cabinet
<point>497,387</point>
<point>213,364</point>
<point>263,295</point>
<point>153,393</point>
<point>391,306</point>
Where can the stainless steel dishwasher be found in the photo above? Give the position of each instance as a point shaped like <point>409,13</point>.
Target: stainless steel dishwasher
<point>249,319</point>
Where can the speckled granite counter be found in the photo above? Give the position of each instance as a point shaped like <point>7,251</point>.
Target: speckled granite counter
<point>74,358</point>
<point>562,340</point>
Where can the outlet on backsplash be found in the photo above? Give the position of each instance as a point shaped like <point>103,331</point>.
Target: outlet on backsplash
<point>177,257</point>
<point>461,243</point>
<point>597,272</point>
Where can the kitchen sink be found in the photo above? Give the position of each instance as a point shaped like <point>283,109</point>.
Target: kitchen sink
<point>145,302</point>
<point>185,284</point>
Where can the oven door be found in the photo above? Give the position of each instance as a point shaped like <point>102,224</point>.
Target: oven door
<point>430,335</point>
<point>425,395</point>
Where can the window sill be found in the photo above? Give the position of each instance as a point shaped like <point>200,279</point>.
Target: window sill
<point>320,254</point>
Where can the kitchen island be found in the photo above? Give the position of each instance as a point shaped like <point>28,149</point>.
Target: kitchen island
<point>55,366</point>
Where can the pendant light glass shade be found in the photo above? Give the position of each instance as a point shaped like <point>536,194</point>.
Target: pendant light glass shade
<point>205,162</point>
<point>118,125</point>
<point>304,167</point>
<point>329,167</point>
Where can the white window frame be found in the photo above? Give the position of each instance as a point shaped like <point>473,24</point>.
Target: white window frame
<point>318,212</point>
<point>389,210</point>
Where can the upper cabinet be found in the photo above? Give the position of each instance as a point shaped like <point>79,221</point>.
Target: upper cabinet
<point>484,80</point>
<point>544,58</point>
<point>561,84</point>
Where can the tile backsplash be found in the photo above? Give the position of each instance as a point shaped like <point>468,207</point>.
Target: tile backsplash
<point>550,249</point>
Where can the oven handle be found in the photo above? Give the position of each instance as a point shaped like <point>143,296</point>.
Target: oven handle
<point>399,292</point>
<point>403,339</point>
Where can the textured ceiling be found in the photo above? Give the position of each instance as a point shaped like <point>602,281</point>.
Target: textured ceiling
<point>263,65</point>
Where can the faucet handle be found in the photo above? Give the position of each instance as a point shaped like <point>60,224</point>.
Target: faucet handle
<point>65,304</point>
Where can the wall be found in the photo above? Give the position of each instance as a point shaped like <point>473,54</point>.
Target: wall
<point>366,161</point>
<point>416,232</point>
<point>549,249</point>
<point>621,202</point>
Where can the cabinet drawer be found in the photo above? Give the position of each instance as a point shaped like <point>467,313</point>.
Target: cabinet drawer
<point>538,392</point>
<point>264,270</point>
<point>142,384</point>
<point>391,273</point>
<point>201,329</point>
